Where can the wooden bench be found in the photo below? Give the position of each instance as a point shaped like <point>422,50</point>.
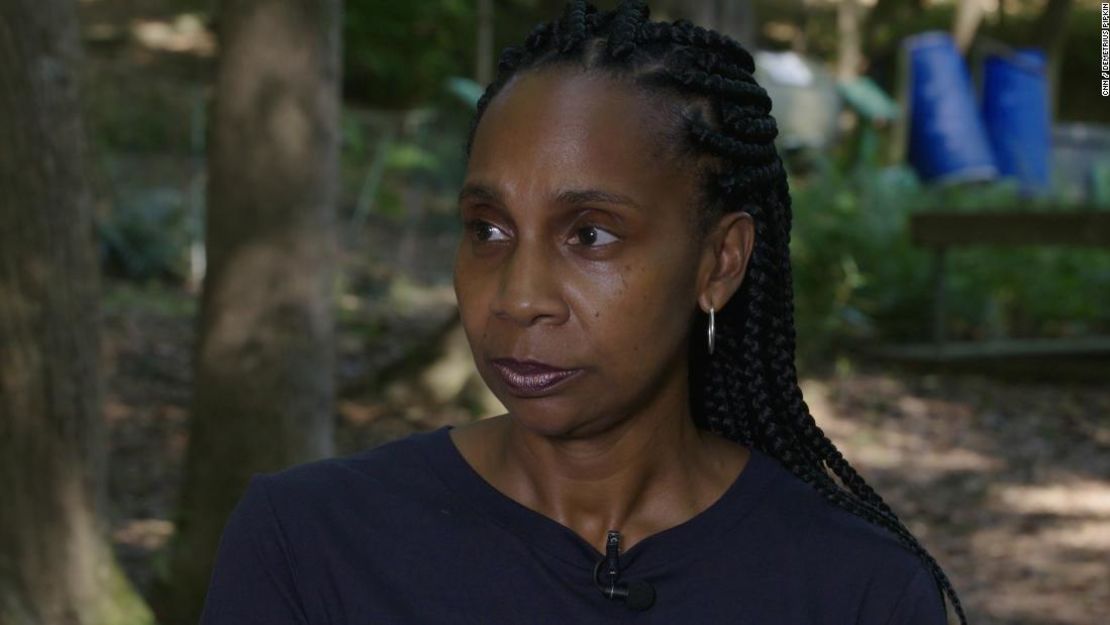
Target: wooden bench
<point>941,231</point>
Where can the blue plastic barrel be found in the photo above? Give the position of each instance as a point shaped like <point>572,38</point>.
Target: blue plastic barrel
<point>948,142</point>
<point>1016,115</point>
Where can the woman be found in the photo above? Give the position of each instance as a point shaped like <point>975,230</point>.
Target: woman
<point>624,283</point>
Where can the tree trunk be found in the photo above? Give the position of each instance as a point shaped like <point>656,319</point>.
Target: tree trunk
<point>735,18</point>
<point>1049,32</point>
<point>264,385</point>
<point>883,13</point>
<point>969,14</point>
<point>484,60</point>
<point>738,20</point>
<point>56,562</point>
<point>849,45</point>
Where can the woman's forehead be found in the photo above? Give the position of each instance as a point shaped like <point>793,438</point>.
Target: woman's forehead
<point>561,125</point>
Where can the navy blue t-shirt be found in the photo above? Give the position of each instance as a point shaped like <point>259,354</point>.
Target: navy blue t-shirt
<point>409,533</point>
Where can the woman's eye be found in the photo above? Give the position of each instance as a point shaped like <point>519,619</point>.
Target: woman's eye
<point>589,236</point>
<point>479,227</point>
<point>595,239</point>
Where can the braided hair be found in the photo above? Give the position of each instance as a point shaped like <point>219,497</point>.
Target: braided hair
<point>748,390</point>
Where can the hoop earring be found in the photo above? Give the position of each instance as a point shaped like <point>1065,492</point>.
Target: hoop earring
<point>712,332</point>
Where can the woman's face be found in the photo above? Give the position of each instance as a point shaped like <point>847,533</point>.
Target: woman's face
<point>577,251</point>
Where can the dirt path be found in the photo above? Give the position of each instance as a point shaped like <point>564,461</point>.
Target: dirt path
<point>1007,485</point>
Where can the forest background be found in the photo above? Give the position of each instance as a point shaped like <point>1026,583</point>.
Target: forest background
<point>198,285</point>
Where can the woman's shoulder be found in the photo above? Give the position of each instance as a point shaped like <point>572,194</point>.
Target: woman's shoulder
<point>816,524</point>
<point>395,469</point>
<point>292,527</point>
<point>840,553</point>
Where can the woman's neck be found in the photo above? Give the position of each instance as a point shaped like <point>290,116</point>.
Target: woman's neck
<point>639,476</point>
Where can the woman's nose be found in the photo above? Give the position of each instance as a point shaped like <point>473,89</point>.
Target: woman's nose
<point>529,287</point>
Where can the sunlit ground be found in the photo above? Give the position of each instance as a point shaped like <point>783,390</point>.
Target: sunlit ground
<point>1007,485</point>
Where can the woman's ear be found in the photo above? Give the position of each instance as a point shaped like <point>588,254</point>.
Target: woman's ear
<point>725,256</point>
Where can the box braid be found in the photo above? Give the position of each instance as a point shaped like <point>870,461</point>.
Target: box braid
<point>748,390</point>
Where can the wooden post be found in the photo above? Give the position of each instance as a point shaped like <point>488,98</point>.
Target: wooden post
<point>938,296</point>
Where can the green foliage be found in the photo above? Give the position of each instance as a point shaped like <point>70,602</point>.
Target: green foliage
<point>120,602</point>
<point>398,54</point>
<point>129,115</point>
<point>146,235</point>
<point>412,157</point>
<point>147,297</point>
<point>858,276</point>
<point>420,148</point>
<point>849,242</point>
<point>1079,68</point>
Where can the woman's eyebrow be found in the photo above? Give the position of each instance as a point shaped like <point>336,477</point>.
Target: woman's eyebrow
<point>478,191</point>
<point>484,192</point>
<point>585,196</point>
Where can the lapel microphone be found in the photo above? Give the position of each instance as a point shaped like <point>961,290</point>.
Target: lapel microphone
<point>636,594</point>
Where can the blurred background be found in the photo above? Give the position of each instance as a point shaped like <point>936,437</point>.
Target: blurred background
<point>226,245</point>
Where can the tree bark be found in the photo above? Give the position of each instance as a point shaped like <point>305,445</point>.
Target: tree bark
<point>56,562</point>
<point>886,12</point>
<point>738,20</point>
<point>264,384</point>
<point>969,14</point>
<point>484,59</point>
<point>1049,32</point>
<point>735,18</point>
<point>849,46</point>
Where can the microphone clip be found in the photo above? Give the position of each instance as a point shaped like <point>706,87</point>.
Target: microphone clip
<point>637,595</point>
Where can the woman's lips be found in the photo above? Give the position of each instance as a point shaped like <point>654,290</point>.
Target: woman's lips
<point>529,379</point>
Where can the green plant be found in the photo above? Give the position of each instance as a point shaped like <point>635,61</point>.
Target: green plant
<point>397,54</point>
<point>857,275</point>
<point>146,235</point>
